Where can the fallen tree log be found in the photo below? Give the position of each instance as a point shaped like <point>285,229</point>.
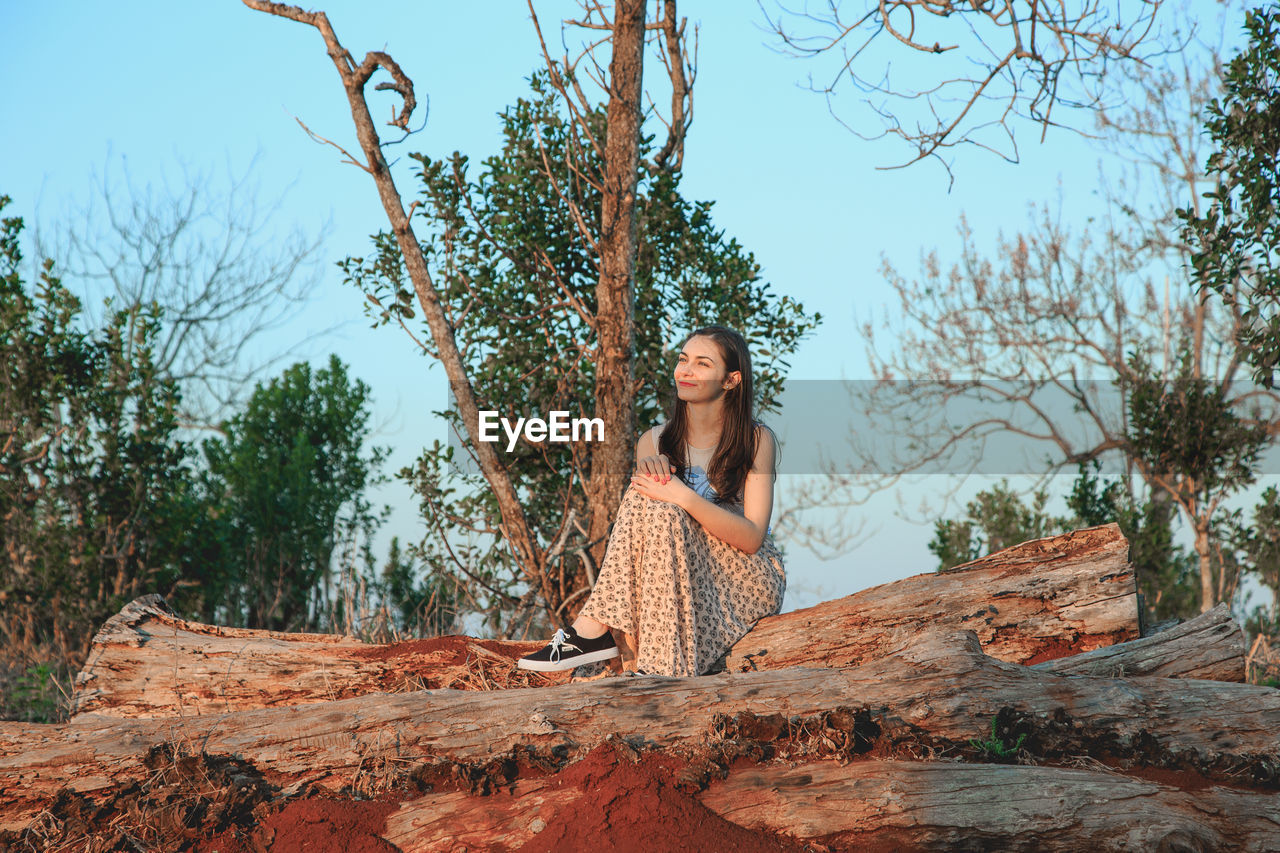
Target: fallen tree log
<point>1036,601</point>
<point>1210,646</point>
<point>948,806</point>
<point>874,805</point>
<point>936,693</point>
<point>148,662</point>
<point>1040,600</point>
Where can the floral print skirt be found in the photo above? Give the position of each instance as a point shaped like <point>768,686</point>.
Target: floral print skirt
<point>683,595</point>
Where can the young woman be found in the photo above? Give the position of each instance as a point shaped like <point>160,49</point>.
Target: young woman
<point>690,566</point>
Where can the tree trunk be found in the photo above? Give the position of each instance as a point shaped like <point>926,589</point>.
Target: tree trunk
<point>611,460</point>
<point>890,805</point>
<point>1038,601</point>
<point>1043,599</point>
<point>147,662</point>
<point>515,526</point>
<point>1208,597</point>
<point>1210,646</point>
<point>950,806</point>
<point>935,695</point>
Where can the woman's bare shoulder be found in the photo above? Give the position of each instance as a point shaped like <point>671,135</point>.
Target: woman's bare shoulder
<point>765,437</point>
<point>766,449</point>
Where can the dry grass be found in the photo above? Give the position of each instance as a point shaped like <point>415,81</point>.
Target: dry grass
<point>1262,664</point>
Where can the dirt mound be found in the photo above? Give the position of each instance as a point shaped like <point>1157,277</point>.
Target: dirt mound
<point>641,802</point>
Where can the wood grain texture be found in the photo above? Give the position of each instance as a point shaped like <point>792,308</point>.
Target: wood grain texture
<point>877,805</point>
<point>148,662</point>
<point>1210,646</point>
<point>951,806</point>
<point>939,687</point>
<point>1040,600</point>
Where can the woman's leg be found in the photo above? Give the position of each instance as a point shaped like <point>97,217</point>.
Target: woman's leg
<point>683,597</point>
<point>607,606</point>
<point>644,588</point>
<point>589,628</point>
<point>610,603</point>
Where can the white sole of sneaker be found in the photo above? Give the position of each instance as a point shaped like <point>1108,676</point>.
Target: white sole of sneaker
<point>570,663</point>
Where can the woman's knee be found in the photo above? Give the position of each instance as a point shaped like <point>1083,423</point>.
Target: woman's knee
<point>667,510</point>
<point>634,502</point>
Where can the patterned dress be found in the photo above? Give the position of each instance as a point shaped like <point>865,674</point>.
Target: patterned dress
<point>685,596</point>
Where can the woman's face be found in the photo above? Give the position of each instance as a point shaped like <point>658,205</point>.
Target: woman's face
<point>700,372</point>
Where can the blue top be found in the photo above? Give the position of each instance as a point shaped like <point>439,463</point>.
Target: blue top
<point>697,479</point>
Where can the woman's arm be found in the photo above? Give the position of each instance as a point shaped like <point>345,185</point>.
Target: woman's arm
<point>744,532</point>
<point>649,461</point>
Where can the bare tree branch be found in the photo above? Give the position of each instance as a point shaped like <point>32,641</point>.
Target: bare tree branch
<point>209,255</point>
<point>1028,56</point>
<point>515,526</point>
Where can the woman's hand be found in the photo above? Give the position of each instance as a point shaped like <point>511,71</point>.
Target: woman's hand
<point>657,467</point>
<point>672,489</point>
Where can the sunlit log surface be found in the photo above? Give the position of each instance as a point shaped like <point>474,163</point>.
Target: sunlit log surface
<point>938,691</point>
<point>1037,601</point>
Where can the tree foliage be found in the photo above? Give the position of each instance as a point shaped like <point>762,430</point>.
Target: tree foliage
<point>1260,543</point>
<point>1187,436</point>
<point>517,280</point>
<point>94,497</point>
<point>210,254</point>
<point>995,519</point>
<point>101,500</point>
<point>1038,337</point>
<point>1236,242</point>
<point>286,482</point>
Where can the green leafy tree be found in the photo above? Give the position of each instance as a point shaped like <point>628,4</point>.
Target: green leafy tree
<point>517,281</point>
<point>1260,544</point>
<point>1188,440</point>
<point>994,519</point>
<point>421,604</point>
<point>95,490</point>
<point>286,484</point>
<point>1236,241</point>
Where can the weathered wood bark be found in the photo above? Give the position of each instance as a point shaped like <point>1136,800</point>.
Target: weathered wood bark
<point>893,805</point>
<point>147,662</point>
<point>1042,600</point>
<point>1211,646</point>
<point>615,393</point>
<point>934,692</point>
<point>943,806</point>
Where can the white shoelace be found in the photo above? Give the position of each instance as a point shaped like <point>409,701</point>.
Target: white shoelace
<point>558,642</point>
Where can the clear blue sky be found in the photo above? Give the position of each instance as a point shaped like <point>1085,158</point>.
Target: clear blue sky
<point>207,85</point>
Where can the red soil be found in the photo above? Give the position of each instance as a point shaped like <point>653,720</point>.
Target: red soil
<point>632,805</point>
<point>447,651</point>
<point>314,824</point>
<point>640,806</point>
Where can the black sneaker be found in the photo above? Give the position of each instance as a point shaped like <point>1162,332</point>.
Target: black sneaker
<point>567,650</point>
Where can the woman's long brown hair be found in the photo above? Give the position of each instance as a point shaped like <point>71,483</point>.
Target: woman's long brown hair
<point>736,450</point>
